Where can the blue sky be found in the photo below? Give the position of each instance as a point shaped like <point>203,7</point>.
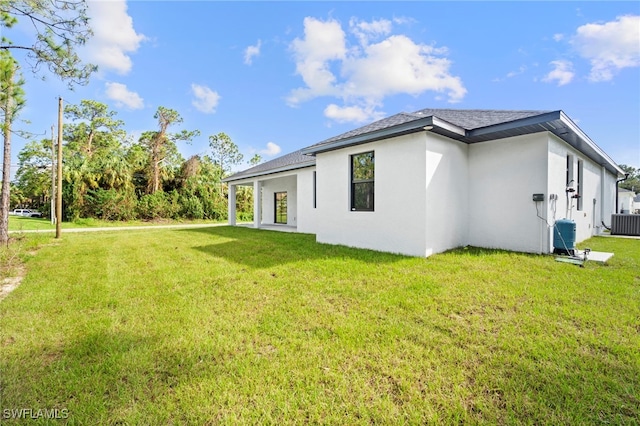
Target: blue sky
<point>279,76</point>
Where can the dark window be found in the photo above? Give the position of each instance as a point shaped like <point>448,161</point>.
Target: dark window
<point>569,171</point>
<point>314,190</point>
<point>362,181</point>
<point>280,202</point>
<point>579,184</point>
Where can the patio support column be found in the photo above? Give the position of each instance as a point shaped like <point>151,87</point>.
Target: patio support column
<point>232,205</point>
<point>257,198</point>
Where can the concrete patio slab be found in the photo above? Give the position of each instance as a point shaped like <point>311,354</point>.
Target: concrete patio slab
<point>599,256</point>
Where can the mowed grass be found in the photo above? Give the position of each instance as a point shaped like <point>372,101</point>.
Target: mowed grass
<point>233,325</point>
<point>21,223</point>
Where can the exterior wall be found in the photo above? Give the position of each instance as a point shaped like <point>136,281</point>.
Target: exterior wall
<point>598,191</point>
<point>396,224</point>
<point>433,193</point>
<point>286,184</point>
<point>503,176</point>
<point>307,214</point>
<point>447,194</point>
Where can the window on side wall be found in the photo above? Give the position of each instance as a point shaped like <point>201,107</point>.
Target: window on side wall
<point>580,184</point>
<point>362,181</point>
<point>570,180</point>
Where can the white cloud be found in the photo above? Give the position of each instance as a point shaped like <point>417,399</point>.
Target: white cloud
<point>114,37</point>
<point>323,42</point>
<point>123,97</point>
<point>365,31</point>
<point>511,74</point>
<point>271,150</point>
<point>521,70</point>
<point>363,74</point>
<point>558,37</point>
<point>398,65</point>
<point>252,51</point>
<point>352,114</point>
<point>609,47</point>
<point>206,99</point>
<point>562,73</point>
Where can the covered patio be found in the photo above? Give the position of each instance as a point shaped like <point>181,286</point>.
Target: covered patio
<point>274,201</point>
<point>276,187</point>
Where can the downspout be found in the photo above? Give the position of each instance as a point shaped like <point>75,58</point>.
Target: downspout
<point>626,176</point>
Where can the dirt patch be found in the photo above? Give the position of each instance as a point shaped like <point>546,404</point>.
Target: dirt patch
<point>11,283</point>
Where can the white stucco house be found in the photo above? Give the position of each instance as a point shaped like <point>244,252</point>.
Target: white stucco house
<point>424,182</point>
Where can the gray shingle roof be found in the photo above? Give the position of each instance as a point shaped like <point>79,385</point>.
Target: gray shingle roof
<point>385,123</point>
<point>471,119</point>
<point>294,160</point>
<point>466,119</point>
<point>469,126</point>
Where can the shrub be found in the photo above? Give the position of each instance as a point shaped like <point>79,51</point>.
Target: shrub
<point>110,204</point>
<point>191,207</point>
<point>157,205</point>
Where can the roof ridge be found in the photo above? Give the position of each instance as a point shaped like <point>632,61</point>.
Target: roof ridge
<point>483,110</point>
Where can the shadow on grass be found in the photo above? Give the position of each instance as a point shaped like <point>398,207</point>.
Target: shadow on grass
<point>262,249</point>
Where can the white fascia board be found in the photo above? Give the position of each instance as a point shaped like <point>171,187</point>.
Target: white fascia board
<point>445,125</point>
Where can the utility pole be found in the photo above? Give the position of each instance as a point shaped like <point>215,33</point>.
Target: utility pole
<point>59,186</point>
<point>53,178</point>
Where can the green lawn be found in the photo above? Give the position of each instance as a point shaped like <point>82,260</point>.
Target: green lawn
<point>19,223</point>
<point>233,325</point>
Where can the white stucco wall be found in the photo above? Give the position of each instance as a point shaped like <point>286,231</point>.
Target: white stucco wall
<point>447,194</point>
<point>588,220</point>
<point>433,194</point>
<point>286,184</point>
<point>307,214</point>
<point>503,176</point>
<point>397,225</point>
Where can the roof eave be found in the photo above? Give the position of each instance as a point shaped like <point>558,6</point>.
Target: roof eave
<point>235,177</point>
<point>592,150</point>
<point>556,122</point>
<point>481,132</point>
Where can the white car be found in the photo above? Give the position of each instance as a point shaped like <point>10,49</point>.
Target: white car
<point>27,213</point>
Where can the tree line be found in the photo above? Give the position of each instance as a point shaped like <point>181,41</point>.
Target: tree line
<point>58,27</point>
<point>108,176</point>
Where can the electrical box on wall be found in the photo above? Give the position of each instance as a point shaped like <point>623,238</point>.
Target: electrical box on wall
<point>538,197</point>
